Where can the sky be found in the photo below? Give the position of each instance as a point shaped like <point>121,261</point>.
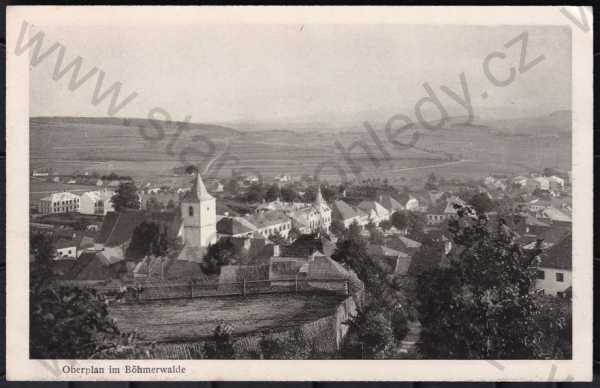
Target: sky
<point>303,73</point>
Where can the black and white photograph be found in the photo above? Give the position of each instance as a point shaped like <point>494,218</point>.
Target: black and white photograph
<point>293,187</point>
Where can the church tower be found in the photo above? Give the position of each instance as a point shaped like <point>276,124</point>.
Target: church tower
<point>198,210</point>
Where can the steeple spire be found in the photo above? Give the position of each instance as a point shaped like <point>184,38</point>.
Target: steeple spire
<point>198,191</point>
<point>319,199</point>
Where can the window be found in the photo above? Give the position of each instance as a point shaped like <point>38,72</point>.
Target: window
<point>191,211</point>
<point>541,274</point>
<point>560,277</point>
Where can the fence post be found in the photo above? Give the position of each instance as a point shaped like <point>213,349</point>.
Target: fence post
<point>244,287</point>
<point>296,281</point>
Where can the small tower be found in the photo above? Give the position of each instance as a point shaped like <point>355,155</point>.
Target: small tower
<point>198,210</point>
<point>319,198</point>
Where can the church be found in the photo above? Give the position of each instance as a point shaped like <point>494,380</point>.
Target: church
<point>199,220</point>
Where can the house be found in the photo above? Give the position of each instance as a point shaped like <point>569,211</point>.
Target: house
<point>519,180</point>
<point>321,269</point>
<point>41,172</point>
<point>389,203</point>
<point>96,202</point>
<point>395,261</point>
<point>451,205</point>
<point>98,266</point>
<point>283,178</point>
<point>375,211</point>
<point>309,217</point>
<point>262,225</point>
<point>118,227</point>
<point>65,249</point>
<point>543,183</point>
<point>160,199</point>
<point>537,205</point>
<point>436,214</point>
<point>235,227</point>
<point>403,244</point>
<point>556,183</point>
<point>408,202</point>
<point>554,269</point>
<point>555,215</point>
<point>269,223</point>
<point>308,244</point>
<point>64,202</point>
<point>348,214</point>
<point>216,187</point>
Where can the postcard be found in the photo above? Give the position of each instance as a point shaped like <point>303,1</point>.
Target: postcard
<point>299,193</point>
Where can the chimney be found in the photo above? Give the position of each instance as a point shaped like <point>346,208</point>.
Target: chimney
<point>275,250</point>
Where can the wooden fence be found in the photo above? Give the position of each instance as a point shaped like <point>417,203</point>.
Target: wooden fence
<point>162,291</point>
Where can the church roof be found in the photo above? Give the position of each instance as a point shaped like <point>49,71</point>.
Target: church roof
<point>198,192</point>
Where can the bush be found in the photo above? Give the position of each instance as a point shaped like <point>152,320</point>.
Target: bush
<point>221,347</point>
<point>294,348</point>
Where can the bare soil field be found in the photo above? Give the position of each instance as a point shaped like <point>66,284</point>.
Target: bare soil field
<point>184,320</point>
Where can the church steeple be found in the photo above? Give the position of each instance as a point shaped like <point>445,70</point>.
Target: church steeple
<point>198,191</point>
<point>319,198</point>
<point>198,211</point>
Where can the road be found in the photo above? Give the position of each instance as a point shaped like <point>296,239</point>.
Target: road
<point>213,160</point>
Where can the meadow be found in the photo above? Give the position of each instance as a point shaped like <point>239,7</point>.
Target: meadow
<point>457,151</point>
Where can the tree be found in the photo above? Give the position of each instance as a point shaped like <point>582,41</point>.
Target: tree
<point>69,323</point>
<point>483,305</point>
<point>126,197</point>
<point>147,240</point>
<point>289,194</point>
<point>410,221</point>
<point>277,239</point>
<point>221,253</point>
<point>42,251</point>
<point>549,171</point>
<point>337,227</point>
<point>273,193</point>
<point>385,225</point>
<point>482,203</point>
<point>294,233</point>
<point>432,182</point>
<point>232,186</point>
<point>153,204</point>
<point>369,335</point>
<point>64,322</point>
<point>255,193</point>
<point>171,204</point>
<point>191,169</point>
<point>375,235</point>
<point>329,192</point>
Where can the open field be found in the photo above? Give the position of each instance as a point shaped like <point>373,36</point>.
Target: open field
<point>458,150</point>
<point>190,319</point>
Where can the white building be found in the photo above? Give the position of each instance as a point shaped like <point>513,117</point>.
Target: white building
<point>542,182</point>
<point>96,202</point>
<point>198,210</point>
<point>375,211</point>
<point>306,217</point>
<point>64,202</point>
<point>554,269</point>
